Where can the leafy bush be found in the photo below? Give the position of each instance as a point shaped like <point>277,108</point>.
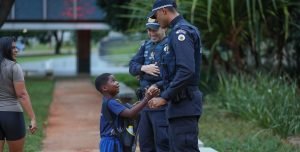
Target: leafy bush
<point>129,80</point>
<point>271,102</point>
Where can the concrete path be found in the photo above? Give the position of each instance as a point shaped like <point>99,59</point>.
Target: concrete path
<point>73,121</point>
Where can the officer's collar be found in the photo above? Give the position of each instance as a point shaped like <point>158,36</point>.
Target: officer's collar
<point>175,21</point>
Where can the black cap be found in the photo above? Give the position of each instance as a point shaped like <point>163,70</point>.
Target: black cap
<point>158,4</point>
<point>152,24</point>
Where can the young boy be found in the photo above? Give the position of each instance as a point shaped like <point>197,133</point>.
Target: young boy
<point>108,86</point>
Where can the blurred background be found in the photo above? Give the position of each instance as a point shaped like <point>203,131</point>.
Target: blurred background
<point>250,65</point>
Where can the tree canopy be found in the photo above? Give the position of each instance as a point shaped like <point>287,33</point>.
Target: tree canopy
<point>238,36</point>
<point>113,11</point>
<point>5,7</point>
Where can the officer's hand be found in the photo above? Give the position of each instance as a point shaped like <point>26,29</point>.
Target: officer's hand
<point>152,92</point>
<point>156,102</point>
<point>153,87</point>
<point>151,69</point>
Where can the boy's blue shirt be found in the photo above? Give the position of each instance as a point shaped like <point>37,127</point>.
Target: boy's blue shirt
<point>115,108</point>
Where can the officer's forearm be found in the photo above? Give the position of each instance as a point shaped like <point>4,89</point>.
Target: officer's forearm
<point>134,68</point>
<point>179,83</point>
<point>159,84</point>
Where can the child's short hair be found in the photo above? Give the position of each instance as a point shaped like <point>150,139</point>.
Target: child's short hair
<point>101,80</point>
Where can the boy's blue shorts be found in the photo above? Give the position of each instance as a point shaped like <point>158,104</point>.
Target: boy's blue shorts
<point>110,144</point>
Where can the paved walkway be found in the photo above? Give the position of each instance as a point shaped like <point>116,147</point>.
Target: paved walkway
<point>73,122</point>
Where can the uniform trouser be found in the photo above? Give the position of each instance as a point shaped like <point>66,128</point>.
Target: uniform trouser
<point>153,131</point>
<point>183,134</point>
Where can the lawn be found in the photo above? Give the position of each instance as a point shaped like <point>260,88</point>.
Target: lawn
<point>40,91</point>
<point>120,53</point>
<point>227,133</point>
<point>23,59</point>
<point>127,47</point>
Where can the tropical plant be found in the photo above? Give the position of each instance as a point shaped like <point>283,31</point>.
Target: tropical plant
<point>112,9</point>
<point>237,35</point>
<point>271,102</point>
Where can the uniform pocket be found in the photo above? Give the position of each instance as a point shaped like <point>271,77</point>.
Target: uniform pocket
<point>162,135</point>
<point>186,136</point>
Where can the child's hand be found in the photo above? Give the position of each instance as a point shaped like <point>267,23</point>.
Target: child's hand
<point>152,91</point>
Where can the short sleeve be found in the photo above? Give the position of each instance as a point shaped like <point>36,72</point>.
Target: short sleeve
<point>17,73</point>
<point>116,107</point>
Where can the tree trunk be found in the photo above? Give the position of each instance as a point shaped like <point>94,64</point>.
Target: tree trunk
<point>233,44</point>
<point>279,53</point>
<point>5,7</point>
<point>58,41</point>
<point>254,52</point>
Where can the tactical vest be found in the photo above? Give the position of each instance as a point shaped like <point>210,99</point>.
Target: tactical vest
<point>153,54</point>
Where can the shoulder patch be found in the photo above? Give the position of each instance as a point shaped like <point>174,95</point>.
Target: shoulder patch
<point>181,37</point>
<point>180,31</point>
<point>166,48</point>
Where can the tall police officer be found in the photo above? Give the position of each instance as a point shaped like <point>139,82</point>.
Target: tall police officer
<point>153,135</point>
<point>181,73</point>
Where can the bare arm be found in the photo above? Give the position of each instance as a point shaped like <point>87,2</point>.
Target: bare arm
<point>22,94</point>
<point>131,113</point>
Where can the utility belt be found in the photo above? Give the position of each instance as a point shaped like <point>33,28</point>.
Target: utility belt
<point>151,78</point>
<point>185,94</point>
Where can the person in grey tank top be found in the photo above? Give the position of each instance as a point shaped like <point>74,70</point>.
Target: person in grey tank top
<point>13,99</point>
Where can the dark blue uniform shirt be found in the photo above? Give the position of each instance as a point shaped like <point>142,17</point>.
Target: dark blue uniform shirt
<point>149,53</point>
<point>180,70</point>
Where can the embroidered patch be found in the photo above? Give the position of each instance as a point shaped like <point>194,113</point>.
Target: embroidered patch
<point>166,48</point>
<point>180,31</point>
<point>152,55</point>
<point>151,20</point>
<point>181,37</point>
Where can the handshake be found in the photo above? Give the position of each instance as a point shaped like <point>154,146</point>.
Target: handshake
<point>151,95</point>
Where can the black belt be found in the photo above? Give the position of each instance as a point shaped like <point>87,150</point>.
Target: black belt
<point>185,93</point>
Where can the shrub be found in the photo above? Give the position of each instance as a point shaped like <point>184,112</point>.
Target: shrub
<point>271,102</point>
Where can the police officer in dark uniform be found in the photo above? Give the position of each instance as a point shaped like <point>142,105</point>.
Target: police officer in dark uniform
<point>153,135</point>
<point>180,70</point>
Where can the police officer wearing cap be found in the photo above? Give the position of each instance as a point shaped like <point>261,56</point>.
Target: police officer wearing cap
<point>153,135</point>
<point>180,70</point>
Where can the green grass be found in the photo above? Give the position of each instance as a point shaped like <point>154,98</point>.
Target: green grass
<point>120,53</point>
<point>47,47</point>
<point>24,59</point>
<point>227,133</point>
<point>128,79</point>
<point>271,102</point>
<point>127,47</point>
<point>40,91</point>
